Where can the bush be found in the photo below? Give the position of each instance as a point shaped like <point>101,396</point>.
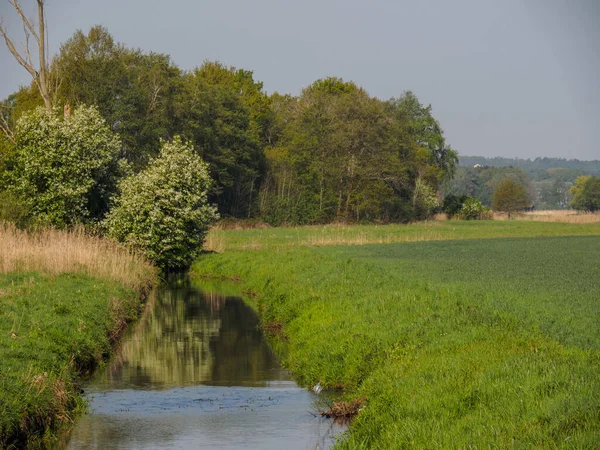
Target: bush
<point>13,209</point>
<point>453,204</point>
<point>424,200</point>
<point>472,209</point>
<point>65,168</point>
<point>164,209</point>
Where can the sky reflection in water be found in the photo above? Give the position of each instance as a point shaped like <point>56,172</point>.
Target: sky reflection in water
<point>196,372</point>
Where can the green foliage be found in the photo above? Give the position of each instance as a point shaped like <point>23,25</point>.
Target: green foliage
<point>339,154</point>
<point>540,168</point>
<point>13,209</point>
<point>424,200</point>
<point>472,209</point>
<point>509,197</point>
<point>334,153</point>
<point>216,119</point>
<point>552,194</point>
<point>164,209</point>
<point>474,343</point>
<point>452,204</point>
<point>481,182</point>
<point>427,133</point>
<point>586,194</point>
<point>65,168</point>
<point>51,328</point>
<point>133,91</point>
<point>547,179</point>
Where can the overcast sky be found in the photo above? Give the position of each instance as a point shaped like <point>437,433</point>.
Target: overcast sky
<point>508,78</point>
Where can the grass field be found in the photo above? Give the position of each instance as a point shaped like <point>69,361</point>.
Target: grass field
<point>56,321</point>
<point>455,344</point>
<point>264,238</point>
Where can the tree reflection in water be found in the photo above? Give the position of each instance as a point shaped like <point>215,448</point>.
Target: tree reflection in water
<point>188,337</point>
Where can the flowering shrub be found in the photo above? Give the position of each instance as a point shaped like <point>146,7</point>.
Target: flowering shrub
<point>164,210</point>
<point>65,168</point>
<point>424,200</point>
<point>472,209</point>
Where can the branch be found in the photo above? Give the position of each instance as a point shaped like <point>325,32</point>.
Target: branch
<point>16,54</point>
<point>26,23</point>
<point>4,126</point>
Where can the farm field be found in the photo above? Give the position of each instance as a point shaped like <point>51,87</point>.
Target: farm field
<point>466,343</point>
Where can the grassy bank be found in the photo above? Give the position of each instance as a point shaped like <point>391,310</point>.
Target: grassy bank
<point>455,344</point>
<point>267,238</point>
<point>64,299</point>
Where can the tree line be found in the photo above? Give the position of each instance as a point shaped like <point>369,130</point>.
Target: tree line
<point>331,153</point>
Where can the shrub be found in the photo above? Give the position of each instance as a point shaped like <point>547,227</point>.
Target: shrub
<point>164,210</point>
<point>13,209</point>
<point>424,200</point>
<point>472,209</point>
<point>452,204</point>
<point>65,168</point>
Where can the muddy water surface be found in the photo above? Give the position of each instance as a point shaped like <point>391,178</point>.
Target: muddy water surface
<point>196,372</point>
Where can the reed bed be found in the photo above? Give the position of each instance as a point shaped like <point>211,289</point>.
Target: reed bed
<point>565,216</point>
<point>53,252</point>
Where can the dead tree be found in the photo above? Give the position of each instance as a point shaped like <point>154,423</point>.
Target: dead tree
<point>39,75</point>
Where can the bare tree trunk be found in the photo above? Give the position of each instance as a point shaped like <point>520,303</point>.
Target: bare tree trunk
<point>40,75</point>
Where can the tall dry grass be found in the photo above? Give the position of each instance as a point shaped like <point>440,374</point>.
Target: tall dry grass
<point>565,216</point>
<point>54,252</point>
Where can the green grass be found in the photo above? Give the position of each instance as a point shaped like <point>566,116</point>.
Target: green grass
<point>455,344</point>
<point>51,329</point>
<point>266,238</point>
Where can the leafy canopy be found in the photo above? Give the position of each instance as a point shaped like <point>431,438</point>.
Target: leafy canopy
<point>586,194</point>
<point>510,196</point>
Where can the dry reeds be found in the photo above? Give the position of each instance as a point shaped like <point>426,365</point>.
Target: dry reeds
<point>54,252</point>
<point>565,216</point>
<point>344,410</point>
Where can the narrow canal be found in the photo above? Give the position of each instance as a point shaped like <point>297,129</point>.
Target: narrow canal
<point>197,372</point>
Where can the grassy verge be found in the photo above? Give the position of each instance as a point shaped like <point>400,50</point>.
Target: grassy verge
<point>455,344</point>
<point>57,320</point>
<point>220,240</point>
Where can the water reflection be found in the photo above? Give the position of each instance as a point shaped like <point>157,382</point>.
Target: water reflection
<point>196,372</point>
<point>189,337</point>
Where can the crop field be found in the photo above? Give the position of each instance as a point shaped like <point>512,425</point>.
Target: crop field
<point>467,343</point>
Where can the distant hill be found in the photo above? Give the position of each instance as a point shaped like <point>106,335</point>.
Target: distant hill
<point>538,168</point>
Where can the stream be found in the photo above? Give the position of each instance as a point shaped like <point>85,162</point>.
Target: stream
<point>197,372</point>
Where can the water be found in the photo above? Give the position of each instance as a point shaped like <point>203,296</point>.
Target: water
<point>196,372</point>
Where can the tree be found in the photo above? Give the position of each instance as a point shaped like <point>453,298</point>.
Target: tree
<point>425,131</point>
<point>164,210</point>
<point>39,74</point>
<point>216,119</point>
<point>65,168</point>
<point>586,194</point>
<point>509,197</point>
<point>133,91</point>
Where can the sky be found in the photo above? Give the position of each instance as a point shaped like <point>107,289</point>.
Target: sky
<point>508,78</point>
